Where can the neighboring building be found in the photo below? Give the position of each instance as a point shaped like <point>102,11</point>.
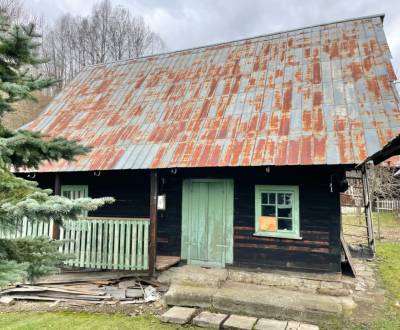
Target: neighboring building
<point>352,200</point>
<point>248,140</point>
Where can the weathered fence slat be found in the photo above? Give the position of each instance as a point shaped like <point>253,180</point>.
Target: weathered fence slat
<point>107,244</point>
<point>133,244</point>
<point>95,242</point>
<point>387,205</point>
<point>111,244</point>
<point>28,229</point>
<point>140,248</point>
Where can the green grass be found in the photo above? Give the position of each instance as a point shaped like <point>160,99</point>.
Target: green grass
<point>388,261</point>
<point>388,270</point>
<point>386,219</point>
<point>388,255</point>
<point>81,320</point>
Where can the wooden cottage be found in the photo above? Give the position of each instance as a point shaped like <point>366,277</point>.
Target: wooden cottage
<point>234,154</point>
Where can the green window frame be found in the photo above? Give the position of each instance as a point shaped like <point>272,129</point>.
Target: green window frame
<point>279,202</point>
<point>74,191</point>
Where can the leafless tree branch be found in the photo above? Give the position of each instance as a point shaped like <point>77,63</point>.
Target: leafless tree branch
<point>107,34</point>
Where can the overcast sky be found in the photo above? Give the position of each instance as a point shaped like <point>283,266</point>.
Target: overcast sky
<point>188,23</point>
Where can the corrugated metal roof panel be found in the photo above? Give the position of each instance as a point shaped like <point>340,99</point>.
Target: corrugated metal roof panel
<point>318,95</point>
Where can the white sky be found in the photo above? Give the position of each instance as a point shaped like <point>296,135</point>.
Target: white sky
<point>188,23</point>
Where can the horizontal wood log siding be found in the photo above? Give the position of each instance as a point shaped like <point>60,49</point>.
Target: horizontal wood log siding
<point>319,247</point>
<point>319,211</point>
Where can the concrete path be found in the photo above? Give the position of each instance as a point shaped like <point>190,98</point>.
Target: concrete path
<point>206,319</point>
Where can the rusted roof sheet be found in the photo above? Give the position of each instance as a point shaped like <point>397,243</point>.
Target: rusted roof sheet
<point>390,153</point>
<point>318,95</point>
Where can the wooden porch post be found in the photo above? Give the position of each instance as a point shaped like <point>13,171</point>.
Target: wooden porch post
<point>57,191</point>
<point>153,221</point>
<point>368,208</point>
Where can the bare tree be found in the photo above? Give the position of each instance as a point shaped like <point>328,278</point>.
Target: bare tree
<point>16,13</point>
<point>13,9</point>
<point>107,34</point>
<point>382,182</point>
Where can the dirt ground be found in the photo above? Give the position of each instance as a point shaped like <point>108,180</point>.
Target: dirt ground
<point>155,308</point>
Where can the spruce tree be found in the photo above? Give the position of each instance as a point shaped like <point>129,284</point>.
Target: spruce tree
<point>19,198</point>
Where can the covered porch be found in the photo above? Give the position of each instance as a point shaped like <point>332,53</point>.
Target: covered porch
<point>115,237</point>
<point>205,216</point>
<point>102,243</point>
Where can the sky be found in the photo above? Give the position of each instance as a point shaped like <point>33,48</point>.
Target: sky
<point>189,23</point>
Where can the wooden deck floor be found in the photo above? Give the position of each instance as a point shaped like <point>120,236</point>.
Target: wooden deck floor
<point>165,262</point>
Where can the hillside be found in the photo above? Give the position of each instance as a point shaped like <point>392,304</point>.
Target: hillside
<point>26,111</point>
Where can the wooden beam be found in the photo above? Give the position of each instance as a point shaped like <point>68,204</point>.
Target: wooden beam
<point>153,221</point>
<point>368,208</point>
<point>57,191</point>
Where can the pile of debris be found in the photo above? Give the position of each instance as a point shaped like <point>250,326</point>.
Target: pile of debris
<point>86,290</point>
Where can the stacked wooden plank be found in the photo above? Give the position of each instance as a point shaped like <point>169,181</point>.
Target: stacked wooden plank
<point>89,289</point>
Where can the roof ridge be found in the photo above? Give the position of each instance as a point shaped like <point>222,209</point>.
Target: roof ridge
<point>381,15</point>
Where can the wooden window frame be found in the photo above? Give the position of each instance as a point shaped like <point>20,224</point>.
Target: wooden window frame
<point>292,234</point>
<point>70,187</point>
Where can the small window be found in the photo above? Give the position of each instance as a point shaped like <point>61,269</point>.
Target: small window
<point>277,211</point>
<point>74,192</point>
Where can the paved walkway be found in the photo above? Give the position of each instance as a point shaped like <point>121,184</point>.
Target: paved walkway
<point>205,319</point>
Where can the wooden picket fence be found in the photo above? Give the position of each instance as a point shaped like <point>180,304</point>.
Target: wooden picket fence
<point>102,243</point>
<point>387,205</point>
<point>28,229</point>
<point>106,243</point>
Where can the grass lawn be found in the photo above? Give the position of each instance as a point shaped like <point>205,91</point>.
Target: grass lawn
<point>70,320</point>
<point>388,261</point>
<point>389,272</point>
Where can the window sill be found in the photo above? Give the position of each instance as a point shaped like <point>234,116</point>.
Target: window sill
<point>279,235</point>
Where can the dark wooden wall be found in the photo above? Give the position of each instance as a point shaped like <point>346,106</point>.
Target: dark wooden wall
<point>130,189</point>
<point>319,217</point>
<point>319,211</point>
<point>319,227</point>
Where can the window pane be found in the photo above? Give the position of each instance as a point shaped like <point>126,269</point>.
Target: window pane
<point>271,198</point>
<point>285,212</point>
<point>281,199</point>
<point>268,210</point>
<point>285,224</point>
<point>288,199</point>
<point>264,198</point>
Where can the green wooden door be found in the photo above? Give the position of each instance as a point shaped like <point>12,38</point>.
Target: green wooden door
<point>207,222</point>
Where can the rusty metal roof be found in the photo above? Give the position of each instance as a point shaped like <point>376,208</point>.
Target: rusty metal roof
<point>389,153</point>
<point>317,95</point>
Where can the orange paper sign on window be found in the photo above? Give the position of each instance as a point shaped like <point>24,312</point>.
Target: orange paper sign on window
<point>268,223</point>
